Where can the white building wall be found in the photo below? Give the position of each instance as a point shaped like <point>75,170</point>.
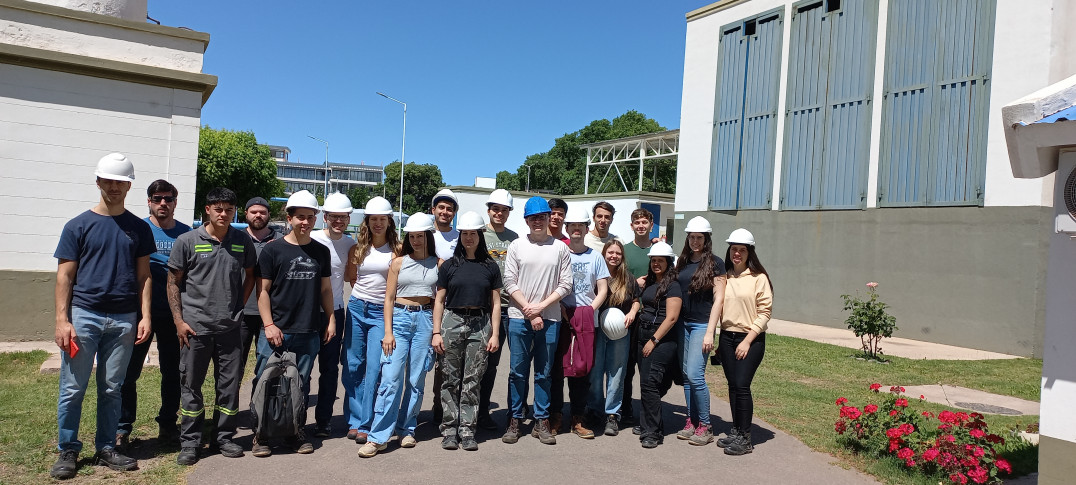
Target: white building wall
<point>1030,48</point>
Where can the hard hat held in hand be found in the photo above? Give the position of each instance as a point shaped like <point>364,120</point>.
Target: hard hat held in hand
<point>115,166</point>
<point>536,205</point>
<point>577,215</point>
<point>501,197</point>
<point>698,224</point>
<point>741,236</point>
<point>337,202</point>
<point>303,199</point>
<point>419,222</point>
<point>471,221</point>
<point>612,322</point>
<point>661,249</point>
<point>378,206</point>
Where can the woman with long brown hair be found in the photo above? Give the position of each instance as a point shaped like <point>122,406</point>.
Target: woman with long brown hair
<point>659,342</point>
<point>367,270</point>
<point>611,354</point>
<point>746,312</point>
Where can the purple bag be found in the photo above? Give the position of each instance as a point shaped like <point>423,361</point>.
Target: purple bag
<point>577,344</point>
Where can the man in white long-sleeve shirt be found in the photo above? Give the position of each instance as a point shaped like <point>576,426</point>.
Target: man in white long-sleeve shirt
<point>537,274</point>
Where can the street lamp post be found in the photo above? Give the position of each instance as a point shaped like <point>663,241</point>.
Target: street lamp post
<point>326,189</point>
<point>403,148</point>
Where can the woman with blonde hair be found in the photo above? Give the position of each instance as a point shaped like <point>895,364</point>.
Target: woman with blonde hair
<point>611,355</point>
<point>367,270</point>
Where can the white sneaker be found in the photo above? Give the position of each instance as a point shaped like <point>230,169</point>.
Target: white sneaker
<point>370,449</point>
<point>408,442</point>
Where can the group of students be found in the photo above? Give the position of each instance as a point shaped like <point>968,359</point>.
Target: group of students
<point>439,298</point>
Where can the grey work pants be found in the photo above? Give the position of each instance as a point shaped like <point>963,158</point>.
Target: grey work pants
<point>223,350</point>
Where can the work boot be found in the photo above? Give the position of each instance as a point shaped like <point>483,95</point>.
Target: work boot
<point>123,442</point>
<point>260,449</point>
<point>66,465</point>
<point>352,434</point>
<point>612,427</point>
<point>360,437</point>
<point>322,430</point>
<point>741,446</point>
<point>511,434</point>
<point>580,429</point>
<point>726,440</point>
<point>555,422</point>
<point>111,458</point>
<point>687,432</point>
<point>230,449</point>
<point>703,436</point>
<point>542,432</point>
<point>450,443</point>
<point>188,456</point>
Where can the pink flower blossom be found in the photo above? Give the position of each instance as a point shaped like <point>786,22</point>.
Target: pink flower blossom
<point>905,453</point>
<point>901,402</point>
<point>976,433</point>
<point>978,474</point>
<point>1003,465</point>
<point>958,478</point>
<point>930,454</point>
<point>872,285</point>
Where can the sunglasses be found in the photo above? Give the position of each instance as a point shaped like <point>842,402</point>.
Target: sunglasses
<point>158,198</point>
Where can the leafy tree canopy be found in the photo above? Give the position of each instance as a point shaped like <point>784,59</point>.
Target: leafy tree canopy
<point>562,169</point>
<point>421,182</point>
<point>234,159</point>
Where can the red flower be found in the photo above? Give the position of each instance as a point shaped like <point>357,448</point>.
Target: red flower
<point>930,454</point>
<point>894,412</point>
<point>922,397</point>
<point>978,452</point>
<point>995,439</point>
<point>907,428</point>
<point>894,433</point>
<point>976,433</point>
<point>950,438</point>
<point>978,474</point>
<point>909,462</point>
<point>947,416</point>
<point>905,453</point>
<point>840,427</point>
<point>841,401</point>
<point>928,414</point>
<point>1003,465</point>
<point>875,387</point>
<point>870,408</point>
<point>901,402</point>
<point>894,444</point>
<point>958,478</point>
<point>850,412</point>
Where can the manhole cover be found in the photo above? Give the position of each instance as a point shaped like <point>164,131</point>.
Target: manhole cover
<point>989,408</point>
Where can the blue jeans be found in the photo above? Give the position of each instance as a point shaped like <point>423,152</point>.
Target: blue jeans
<point>111,337</point>
<point>696,392</point>
<point>526,344</point>
<point>610,361</point>
<point>413,355</point>
<point>304,345</point>
<point>362,353</point>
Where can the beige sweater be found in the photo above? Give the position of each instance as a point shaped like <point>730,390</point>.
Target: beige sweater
<point>748,301</point>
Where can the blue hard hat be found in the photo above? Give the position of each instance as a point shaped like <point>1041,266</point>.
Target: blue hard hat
<point>536,205</point>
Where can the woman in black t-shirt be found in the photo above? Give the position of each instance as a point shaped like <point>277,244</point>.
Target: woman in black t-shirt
<point>611,355</point>
<point>466,316</point>
<point>658,347</point>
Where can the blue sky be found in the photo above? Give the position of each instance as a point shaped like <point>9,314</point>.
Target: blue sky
<point>486,83</point>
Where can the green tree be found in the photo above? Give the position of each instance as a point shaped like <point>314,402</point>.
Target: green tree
<point>507,180</point>
<point>234,159</point>
<point>359,195</point>
<point>562,169</point>
<point>421,182</point>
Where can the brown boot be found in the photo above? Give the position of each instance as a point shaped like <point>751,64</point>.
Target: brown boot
<point>556,420</point>
<point>580,429</point>
<point>511,435</point>
<point>542,432</point>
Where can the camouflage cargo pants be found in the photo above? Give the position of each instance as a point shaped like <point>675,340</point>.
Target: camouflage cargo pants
<point>462,367</point>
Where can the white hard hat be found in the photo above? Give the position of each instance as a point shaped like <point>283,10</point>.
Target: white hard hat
<point>741,236</point>
<point>577,214</point>
<point>612,322</point>
<point>115,166</point>
<point>337,202</point>
<point>470,221</point>
<point>661,249</point>
<point>419,222</point>
<point>501,197</point>
<point>445,194</point>
<point>378,206</point>
<point>302,198</point>
<point>698,224</point>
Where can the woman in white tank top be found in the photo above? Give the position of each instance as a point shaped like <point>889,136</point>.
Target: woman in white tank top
<point>367,269</point>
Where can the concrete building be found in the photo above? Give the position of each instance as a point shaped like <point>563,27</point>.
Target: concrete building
<point>861,140</point>
<point>1040,130</point>
<point>342,176</point>
<point>79,80</point>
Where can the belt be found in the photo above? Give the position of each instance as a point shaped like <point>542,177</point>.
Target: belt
<point>414,308</point>
<point>468,312</point>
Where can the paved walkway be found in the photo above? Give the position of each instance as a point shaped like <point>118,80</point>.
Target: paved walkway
<point>778,457</point>
<point>895,346</point>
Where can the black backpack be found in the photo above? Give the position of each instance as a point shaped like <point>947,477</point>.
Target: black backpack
<point>278,404</point>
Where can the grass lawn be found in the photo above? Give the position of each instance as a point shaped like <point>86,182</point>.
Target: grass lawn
<point>28,409</point>
<point>799,380</point>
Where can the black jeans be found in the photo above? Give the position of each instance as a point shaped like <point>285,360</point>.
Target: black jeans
<point>489,379</point>
<point>164,330</point>
<point>249,329</point>
<point>329,369</point>
<point>656,373</point>
<point>740,373</point>
<point>626,409</point>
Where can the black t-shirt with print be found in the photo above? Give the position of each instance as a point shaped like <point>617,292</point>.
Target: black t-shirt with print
<point>296,273</point>
<point>469,283</point>
<point>697,305</point>
<point>653,311</point>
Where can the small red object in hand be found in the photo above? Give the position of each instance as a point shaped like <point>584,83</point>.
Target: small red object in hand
<point>73,349</point>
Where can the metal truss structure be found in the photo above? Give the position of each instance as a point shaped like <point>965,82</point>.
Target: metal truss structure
<point>631,150</point>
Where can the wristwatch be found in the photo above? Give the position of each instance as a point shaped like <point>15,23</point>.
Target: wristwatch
<point>655,340</point>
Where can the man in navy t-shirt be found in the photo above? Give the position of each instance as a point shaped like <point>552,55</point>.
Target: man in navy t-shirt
<point>102,282</point>
<point>161,197</point>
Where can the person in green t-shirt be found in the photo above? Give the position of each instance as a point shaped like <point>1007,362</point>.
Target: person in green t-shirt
<point>498,238</point>
<point>637,260</point>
